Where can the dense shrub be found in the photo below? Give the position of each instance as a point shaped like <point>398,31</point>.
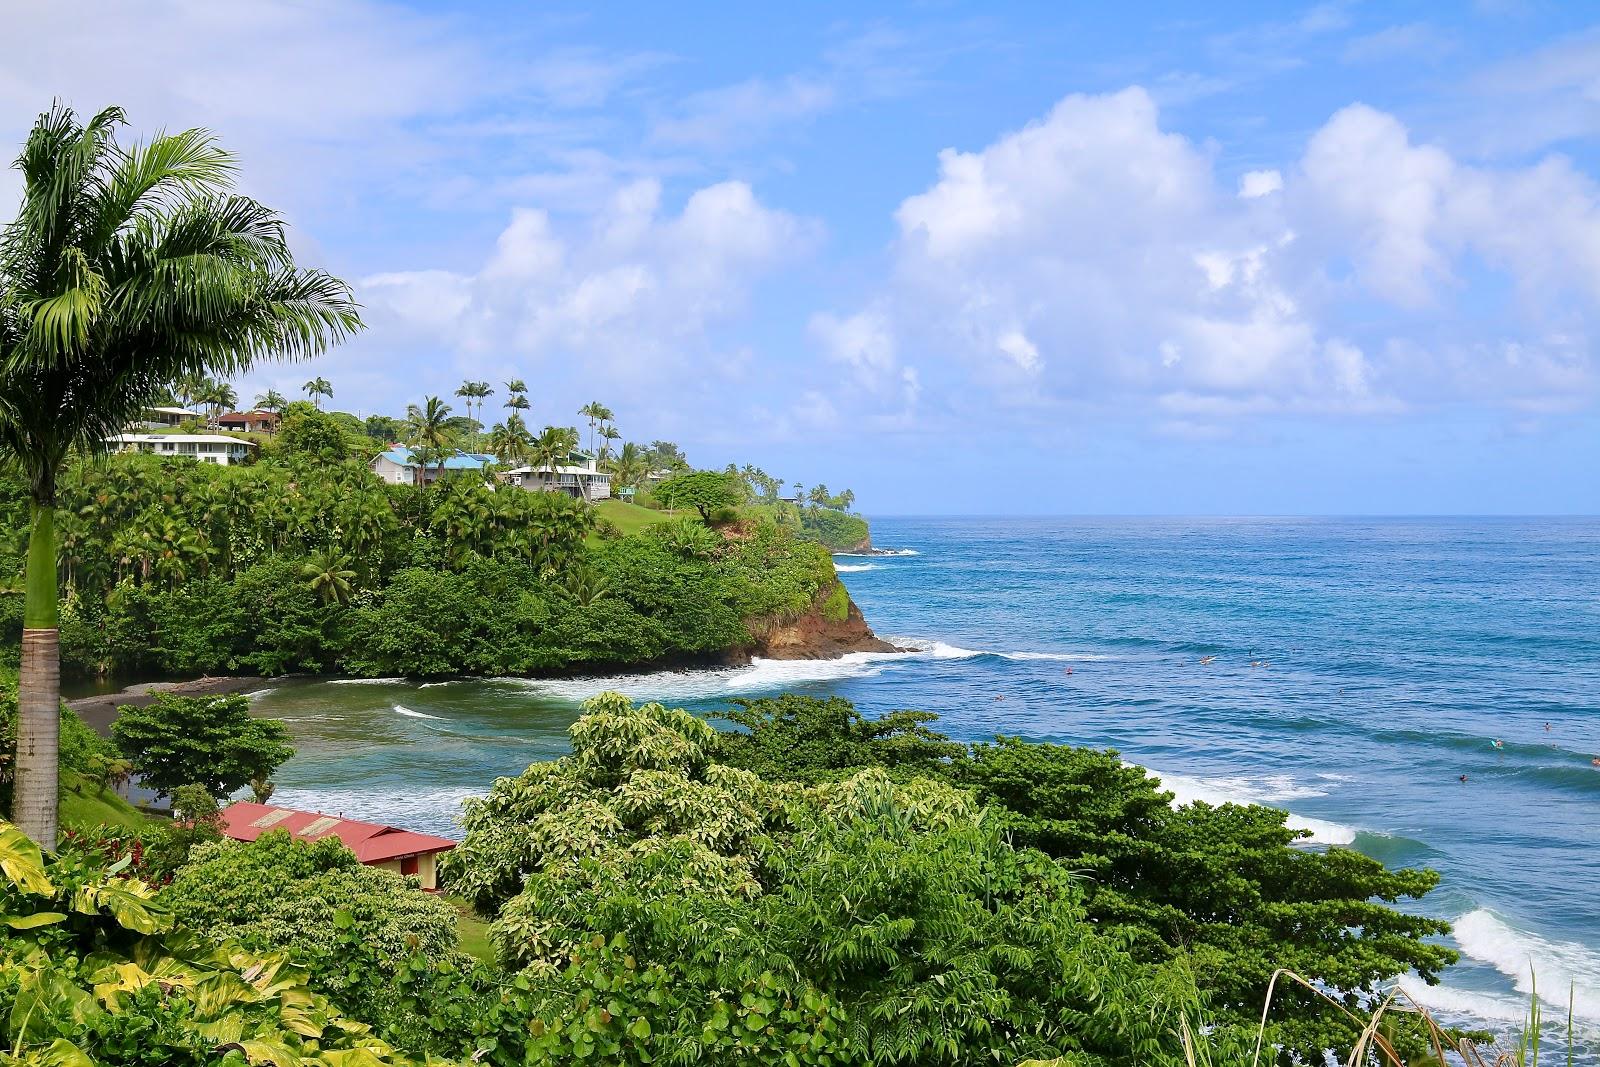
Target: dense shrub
<point>862,920</point>
<point>92,971</point>
<point>212,742</point>
<point>1224,886</point>
<point>279,893</point>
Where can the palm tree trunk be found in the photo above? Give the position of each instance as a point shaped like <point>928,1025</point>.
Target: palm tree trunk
<point>33,806</point>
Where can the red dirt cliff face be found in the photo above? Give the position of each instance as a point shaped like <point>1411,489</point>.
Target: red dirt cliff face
<point>814,636</point>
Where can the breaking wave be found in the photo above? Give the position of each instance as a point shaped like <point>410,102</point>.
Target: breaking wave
<point>1252,789</point>
<point>366,681</point>
<point>401,709</point>
<point>1559,967</point>
<point>854,568</point>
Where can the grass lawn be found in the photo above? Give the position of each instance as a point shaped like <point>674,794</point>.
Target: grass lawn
<point>88,809</point>
<point>630,518</point>
<point>473,931</point>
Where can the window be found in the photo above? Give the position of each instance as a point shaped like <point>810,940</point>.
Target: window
<point>408,865</point>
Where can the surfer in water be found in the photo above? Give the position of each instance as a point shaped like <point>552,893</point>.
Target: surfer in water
<point>1499,743</point>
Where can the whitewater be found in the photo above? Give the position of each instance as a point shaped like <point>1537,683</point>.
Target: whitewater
<point>1347,671</point>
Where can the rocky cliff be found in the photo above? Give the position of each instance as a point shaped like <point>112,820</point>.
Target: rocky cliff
<point>831,628</point>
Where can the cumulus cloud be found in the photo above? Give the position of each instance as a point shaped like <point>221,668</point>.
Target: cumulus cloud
<point>1093,256</point>
<point>634,289</point>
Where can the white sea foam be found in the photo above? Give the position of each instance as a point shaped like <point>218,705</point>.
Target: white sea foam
<point>434,685</point>
<point>365,681</point>
<point>401,709</point>
<point>1464,1004</point>
<point>762,675</point>
<point>881,552</point>
<point>854,568</point>
<point>1265,789</point>
<point>257,694</point>
<point>1560,967</point>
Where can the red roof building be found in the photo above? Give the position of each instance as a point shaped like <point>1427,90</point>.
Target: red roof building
<point>401,851</point>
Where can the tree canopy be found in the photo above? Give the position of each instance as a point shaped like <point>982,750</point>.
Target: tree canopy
<point>209,741</point>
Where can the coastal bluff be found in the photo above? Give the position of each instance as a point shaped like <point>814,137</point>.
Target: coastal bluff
<point>832,627</point>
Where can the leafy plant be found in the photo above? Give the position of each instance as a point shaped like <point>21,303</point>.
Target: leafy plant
<point>214,741</point>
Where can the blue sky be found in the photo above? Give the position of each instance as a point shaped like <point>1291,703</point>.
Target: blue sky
<point>1154,258</point>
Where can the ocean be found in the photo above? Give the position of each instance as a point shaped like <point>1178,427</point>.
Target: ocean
<point>1349,671</point>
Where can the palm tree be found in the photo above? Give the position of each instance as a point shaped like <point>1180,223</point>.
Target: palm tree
<point>471,391</point>
<point>317,388</point>
<point>329,575</point>
<point>272,401</point>
<point>428,433</point>
<point>608,434</point>
<point>127,267</point>
<point>596,413</point>
<point>510,440</point>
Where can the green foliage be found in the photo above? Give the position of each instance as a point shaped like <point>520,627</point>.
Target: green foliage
<point>93,971</point>
<point>705,491</point>
<point>1224,887</point>
<point>213,741</point>
<point>811,739</point>
<point>860,920</point>
<point>836,608</point>
<point>838,530</point>
<point>314,435</point>
<point>296,564</point>
<point>277,893</point>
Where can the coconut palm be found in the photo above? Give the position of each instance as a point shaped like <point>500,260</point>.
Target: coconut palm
<point>596,413</point>
<point>608,434</point>
<point>510,440</point>
<point>127,267</point>
<point>330,576</point>
<point>316,389</point>
<point>428,433</point>
<point>272,401</point>
<point>475,391</point>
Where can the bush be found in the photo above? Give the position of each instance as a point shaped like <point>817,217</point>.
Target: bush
<point>723,516</point>
<point>93,971</point>
<point>279,893</point>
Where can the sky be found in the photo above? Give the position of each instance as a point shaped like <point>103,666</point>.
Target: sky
<point>1340,258</point>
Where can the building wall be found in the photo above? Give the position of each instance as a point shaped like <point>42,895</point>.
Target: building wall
<point>392,472</point>
<point>427,869</point>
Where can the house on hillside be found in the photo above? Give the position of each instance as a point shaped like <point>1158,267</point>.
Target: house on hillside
<point>580,478</point>
<point>401,851</point>
<point>250,421</point>
<point>399,466</point>
<point>157,417</point>
<point>203,447</point>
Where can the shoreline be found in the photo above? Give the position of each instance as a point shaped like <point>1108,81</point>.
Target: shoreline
<point>100,710</point>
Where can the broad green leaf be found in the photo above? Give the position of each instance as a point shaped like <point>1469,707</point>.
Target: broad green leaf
<point>37,919</point>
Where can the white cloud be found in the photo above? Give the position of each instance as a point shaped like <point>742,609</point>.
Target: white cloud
<point>1096,236</point>
<point>1259,183</point>
<point>634,291</point>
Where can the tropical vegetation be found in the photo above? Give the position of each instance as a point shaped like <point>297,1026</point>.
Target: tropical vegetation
<point>127,267</point>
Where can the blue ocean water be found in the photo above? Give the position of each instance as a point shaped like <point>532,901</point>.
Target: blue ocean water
<point>1348,670</point>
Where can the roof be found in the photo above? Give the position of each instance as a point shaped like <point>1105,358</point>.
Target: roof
<point>372,843</point>
<point>592,472</point>
<point>188,438</point>
<point>241,415</point>
<point>401,456</point>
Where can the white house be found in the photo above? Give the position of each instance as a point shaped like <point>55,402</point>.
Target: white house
<point>581,479</point>
<point>205,447</point>
<point>399,466</point>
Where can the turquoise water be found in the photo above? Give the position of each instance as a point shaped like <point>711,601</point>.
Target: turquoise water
<point>1390,655</point>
